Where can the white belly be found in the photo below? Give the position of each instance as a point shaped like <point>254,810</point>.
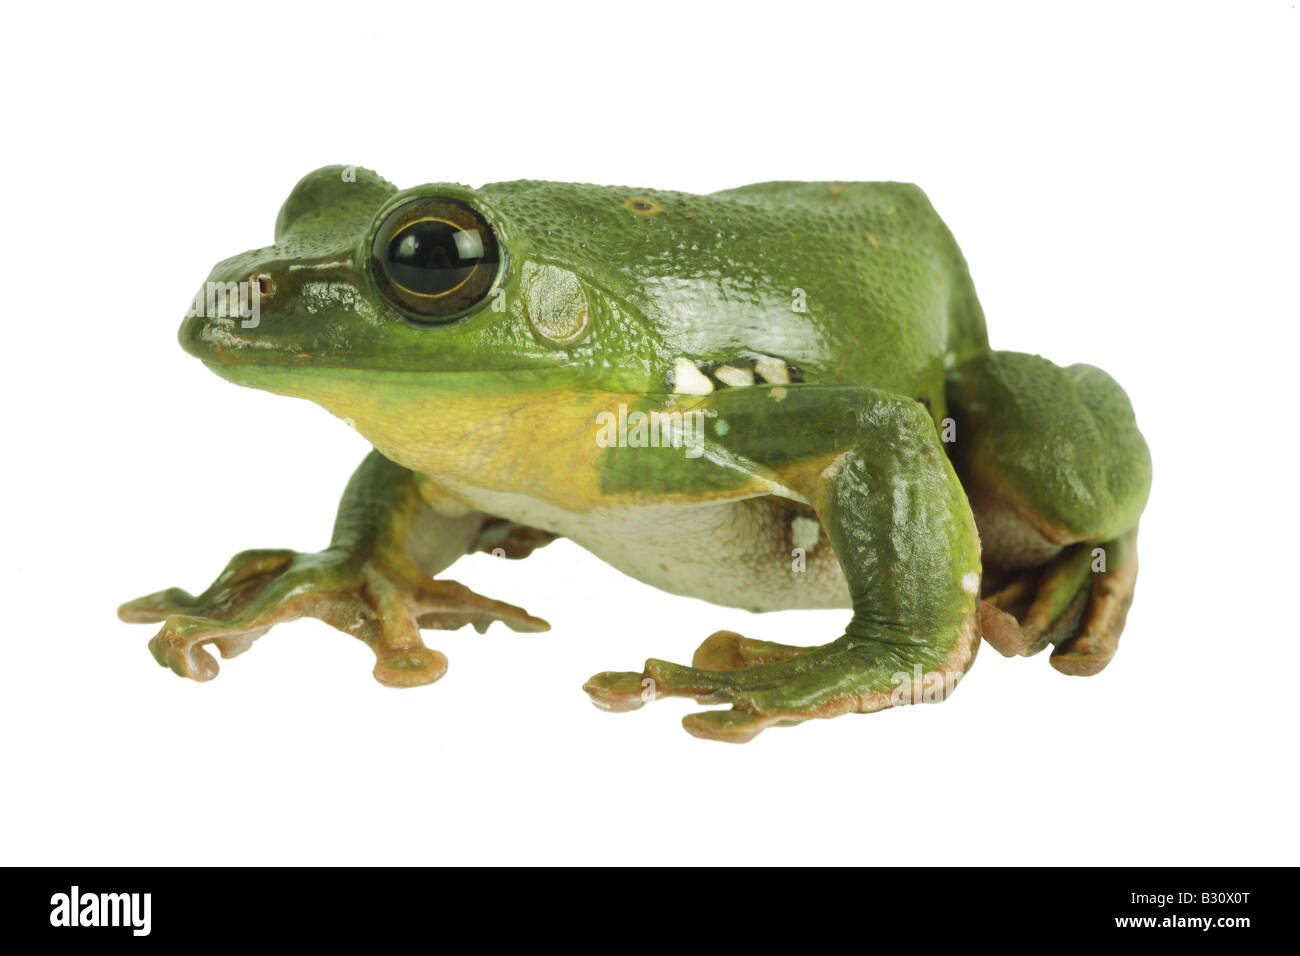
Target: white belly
<point>754,553</point>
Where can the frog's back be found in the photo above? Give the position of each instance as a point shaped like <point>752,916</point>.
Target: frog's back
<point>889,244</point>
<point>850,283</point>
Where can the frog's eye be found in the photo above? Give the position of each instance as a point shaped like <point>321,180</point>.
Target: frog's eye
<point>435,258</point>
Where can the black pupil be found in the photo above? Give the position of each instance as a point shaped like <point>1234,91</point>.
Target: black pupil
<point>432,257</point>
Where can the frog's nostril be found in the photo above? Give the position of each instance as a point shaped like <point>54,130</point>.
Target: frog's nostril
<point>265,284</point>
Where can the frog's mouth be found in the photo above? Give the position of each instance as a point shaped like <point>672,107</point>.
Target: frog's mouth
<point>371,399</point>
<point>326,385</point>
<point>219,342</point>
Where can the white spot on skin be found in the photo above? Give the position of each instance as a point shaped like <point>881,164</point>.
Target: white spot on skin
<point>772,370</point>
<point>735,377</point>
<point>970,583</point>
<point>805,533</point>
<point>689,380</point>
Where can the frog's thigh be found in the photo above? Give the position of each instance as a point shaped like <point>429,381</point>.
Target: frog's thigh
<point>1057,474</point>
<point>1049,456</point>
<point>871,466</point>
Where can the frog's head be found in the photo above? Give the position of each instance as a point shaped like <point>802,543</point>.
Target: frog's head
<point>435,279</point>
<point>376,297</point>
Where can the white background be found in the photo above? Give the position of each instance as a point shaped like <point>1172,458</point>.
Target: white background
<point>1122,179</point>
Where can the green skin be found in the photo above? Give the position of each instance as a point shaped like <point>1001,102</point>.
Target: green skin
<point>853,429</point>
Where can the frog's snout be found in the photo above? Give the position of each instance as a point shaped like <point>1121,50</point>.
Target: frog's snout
<point>225,313</point>
<point>262,304</point>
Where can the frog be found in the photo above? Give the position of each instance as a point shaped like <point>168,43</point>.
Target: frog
<point>774,397</point>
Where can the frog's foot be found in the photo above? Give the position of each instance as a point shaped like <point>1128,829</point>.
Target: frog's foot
<point>776,685</point>
<point>1077,602</point>
<point>258,589</point>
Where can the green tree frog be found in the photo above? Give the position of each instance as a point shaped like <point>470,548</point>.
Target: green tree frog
<point>772,397</point>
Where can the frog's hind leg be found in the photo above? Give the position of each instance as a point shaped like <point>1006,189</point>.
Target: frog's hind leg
<point>506,539</point>
<point>871,467</point>
<point>1057,474</point>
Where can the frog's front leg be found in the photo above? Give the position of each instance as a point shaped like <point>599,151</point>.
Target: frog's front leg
<point>1058,474</point>
<point>373,582</point>
<point>872,468</point>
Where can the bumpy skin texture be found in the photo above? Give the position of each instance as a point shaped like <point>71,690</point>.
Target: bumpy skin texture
<point>777,396</point>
